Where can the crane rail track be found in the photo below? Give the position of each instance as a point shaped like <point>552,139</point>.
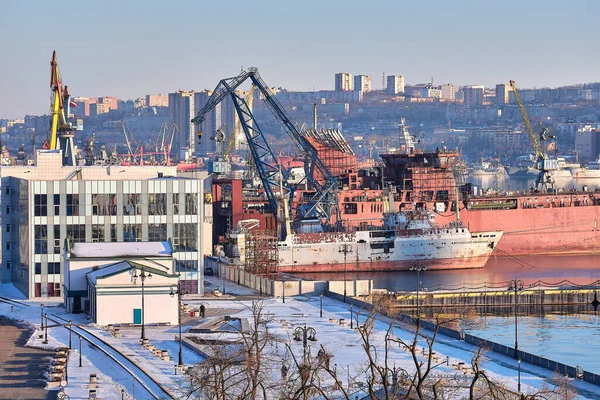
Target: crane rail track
<point>153,388</point>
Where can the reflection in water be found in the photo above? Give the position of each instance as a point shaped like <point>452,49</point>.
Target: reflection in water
<point>580,270</point>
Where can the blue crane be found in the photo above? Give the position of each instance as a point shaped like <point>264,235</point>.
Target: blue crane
<point>323,204</point>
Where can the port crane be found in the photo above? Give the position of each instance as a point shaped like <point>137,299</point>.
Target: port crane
<point>61,131</point>
<point>323,204</point>
<point>545,164</point>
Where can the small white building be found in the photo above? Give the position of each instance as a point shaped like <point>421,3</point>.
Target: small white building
<point>106,278</point>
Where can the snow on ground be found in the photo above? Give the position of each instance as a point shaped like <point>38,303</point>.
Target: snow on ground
<point>343,342</point>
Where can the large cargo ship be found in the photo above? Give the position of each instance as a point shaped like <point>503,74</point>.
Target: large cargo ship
<point>405,240</point>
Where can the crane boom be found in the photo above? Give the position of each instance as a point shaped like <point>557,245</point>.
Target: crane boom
<point>530,132</point>
<point>324,203</point>
<point>60,96</point>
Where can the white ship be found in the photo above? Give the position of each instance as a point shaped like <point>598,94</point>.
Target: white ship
<point>406,240</point>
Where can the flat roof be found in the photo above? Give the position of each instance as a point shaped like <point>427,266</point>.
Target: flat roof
<point>121,249</point>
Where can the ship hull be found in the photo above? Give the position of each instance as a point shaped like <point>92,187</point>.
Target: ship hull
<point>385,265</point>
<point>538,231</point>
<point>440,249</point>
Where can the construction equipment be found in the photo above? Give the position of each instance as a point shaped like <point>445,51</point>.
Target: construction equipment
<point>544,164</point>
<point>61,131</point>
<point>130,142</point>
<point>323,205</point>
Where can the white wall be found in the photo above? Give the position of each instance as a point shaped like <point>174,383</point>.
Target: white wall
<point>114,309</point>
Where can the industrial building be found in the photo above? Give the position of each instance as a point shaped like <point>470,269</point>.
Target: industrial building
<point>45,204</point>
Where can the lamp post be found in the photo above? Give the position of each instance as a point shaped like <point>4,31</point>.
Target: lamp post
<point>70,331</point>
<point>305,333</point>
<point>516,285</point>
<point>223,282</point>
<point>283,289</point>
<point>418,269</point>
<point>79,350</point>
<point>345,248</point>
<point>42,316</point>
<point>351,318</point>
<point>143,277</point>
<point>179,294</point>
<point>321,306</point>
<point>519,381</point>
<point>46,329</point>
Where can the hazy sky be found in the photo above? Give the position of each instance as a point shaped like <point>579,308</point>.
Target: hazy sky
<point>132,48</point>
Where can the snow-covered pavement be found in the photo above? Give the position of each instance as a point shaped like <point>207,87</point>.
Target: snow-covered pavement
<point>342,341</point>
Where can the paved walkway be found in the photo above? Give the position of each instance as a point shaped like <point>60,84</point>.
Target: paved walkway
<point>21,368</point>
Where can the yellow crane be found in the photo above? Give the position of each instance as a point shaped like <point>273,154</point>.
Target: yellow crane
<point>60,99</point>
<point>544,163</point>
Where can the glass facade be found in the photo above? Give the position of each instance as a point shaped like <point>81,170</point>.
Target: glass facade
<point>48,212</point>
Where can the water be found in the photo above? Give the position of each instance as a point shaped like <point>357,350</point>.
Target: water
<point>572,339</point>
<point>544,270</point>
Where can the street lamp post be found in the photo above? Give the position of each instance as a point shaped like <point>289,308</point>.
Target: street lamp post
<point>70,331</point>
<point>223,276</point>
<point>351,318</point>
<point>305,333</point>
<point>516,285</point>
<point>42,316</point>
<point>179,293</point>
<point>345,248</point>
<point>143,277</point>
<point>79,350</point>
<point>46,330</point>
<point>283,289</point>
<point>418,269</point>
<point>519,381</point>
<point>321,306</point>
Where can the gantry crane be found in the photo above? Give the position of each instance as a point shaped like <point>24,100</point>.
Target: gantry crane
<point>61,131</point>
<point>323,205</point>
<point>545,164</point>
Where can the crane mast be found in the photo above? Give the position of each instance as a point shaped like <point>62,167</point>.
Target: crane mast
<point>323,205</point>
<point>544,163</point>
<point>61,131</point>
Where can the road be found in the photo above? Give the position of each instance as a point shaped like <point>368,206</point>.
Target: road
<point>21,368</point>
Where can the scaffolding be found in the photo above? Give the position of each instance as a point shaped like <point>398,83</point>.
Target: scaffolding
<point>262,257</point>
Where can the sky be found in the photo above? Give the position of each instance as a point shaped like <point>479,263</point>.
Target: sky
<point>132,48</point>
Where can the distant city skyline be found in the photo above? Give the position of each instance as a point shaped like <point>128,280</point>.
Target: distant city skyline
<point>131,49</point>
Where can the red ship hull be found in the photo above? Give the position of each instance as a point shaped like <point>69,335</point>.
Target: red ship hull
<point>556,230</point>
<point>382,265</point>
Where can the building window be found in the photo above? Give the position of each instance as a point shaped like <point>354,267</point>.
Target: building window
<point>7,210</point>
<point>191,206</point>
<point>132,204</point>
<point>113,233</point>
<point>185,237</point>
<point>157,204</point>
<point>175,203</point>
<point>132,233</point>
<point>157,232</point>
<point>7,228</point>
<point>54,268</point>
<point>38,268</point>
<point>76,233</point>
<point>7,190</point>
<point>186,266</point>
<point>8,265</point>
<point>104,204</point>
<point>56,199</point>
<point>97,232</point>
<point>72,204</point>
<point>40,205</point>
<point>41,239</point>
<point>56,239</point>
